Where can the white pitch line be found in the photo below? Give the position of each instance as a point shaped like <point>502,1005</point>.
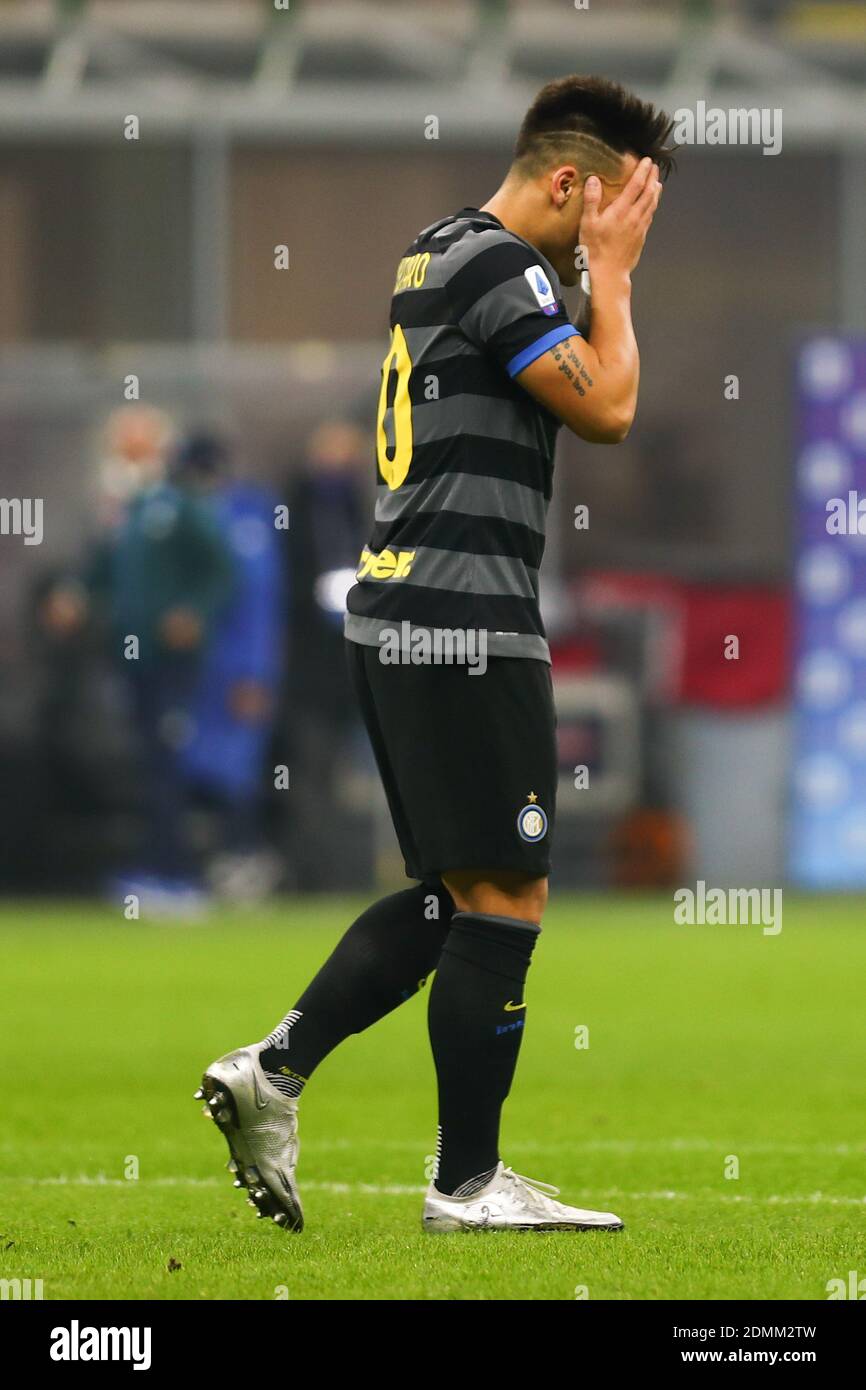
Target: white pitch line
<point>571,1146</point>
<point>411,1190</point>
<point>623,1146</point>
<point>780,1199</point>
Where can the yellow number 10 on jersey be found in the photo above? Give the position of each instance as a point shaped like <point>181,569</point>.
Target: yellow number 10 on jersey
<point>394,469</point>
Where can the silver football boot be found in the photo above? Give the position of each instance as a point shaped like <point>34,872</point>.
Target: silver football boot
<point>510,1202</point>
<point>260,1126</point>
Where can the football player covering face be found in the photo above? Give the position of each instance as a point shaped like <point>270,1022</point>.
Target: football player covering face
<point>467,755</point>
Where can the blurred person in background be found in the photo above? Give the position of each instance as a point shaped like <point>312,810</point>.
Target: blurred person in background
<point>234,702</point>
<point>326,507</point>
<point>70,786</point>
<point>158,575</point>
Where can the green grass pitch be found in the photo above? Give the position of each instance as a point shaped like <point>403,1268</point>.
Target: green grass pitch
<point>704,1042</point>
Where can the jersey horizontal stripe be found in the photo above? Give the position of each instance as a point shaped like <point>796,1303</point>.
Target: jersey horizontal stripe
<point>488,416</point>
<point>419,308</point>
<point>444,608</point>
<point>449,530</point>
<point>456,373</point>
<point>432,568</point>
<point>465,493</point>
<point>482,457</point>
<point>499,309</point>
<point>482,265</point>
<point>464,453</point>
<point>373,632</point>
<point>433,342</point>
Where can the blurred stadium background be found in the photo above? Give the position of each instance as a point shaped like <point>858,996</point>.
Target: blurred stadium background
<point>307,128</point>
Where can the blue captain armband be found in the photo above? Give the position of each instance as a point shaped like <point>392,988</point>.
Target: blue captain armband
<point>540,346</point>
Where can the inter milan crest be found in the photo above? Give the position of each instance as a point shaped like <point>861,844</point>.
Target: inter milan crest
<point>532,821</point>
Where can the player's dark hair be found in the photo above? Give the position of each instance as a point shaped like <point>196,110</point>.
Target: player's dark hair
<point>596,113</point>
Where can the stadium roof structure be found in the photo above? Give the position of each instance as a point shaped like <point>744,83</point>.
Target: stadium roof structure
<point>354,70</point>
<point>217,75</point>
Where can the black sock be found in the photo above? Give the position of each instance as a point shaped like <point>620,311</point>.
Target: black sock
<point>476,1015</point>
<point>382,960</point>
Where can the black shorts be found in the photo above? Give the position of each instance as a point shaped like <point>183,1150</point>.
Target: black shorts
<point>468,762</point>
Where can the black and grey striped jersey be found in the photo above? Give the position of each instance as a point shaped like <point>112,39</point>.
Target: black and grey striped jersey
<point>464,453</point>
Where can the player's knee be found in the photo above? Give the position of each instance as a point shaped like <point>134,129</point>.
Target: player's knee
<point>534,901</point>
<point>503,894</point>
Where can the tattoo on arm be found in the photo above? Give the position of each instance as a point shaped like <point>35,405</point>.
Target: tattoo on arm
<point>571,366</point>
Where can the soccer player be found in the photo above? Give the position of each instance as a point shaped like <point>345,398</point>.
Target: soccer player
<point>484,366</point>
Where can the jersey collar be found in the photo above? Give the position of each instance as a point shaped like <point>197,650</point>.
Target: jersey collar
<point>476,213</point>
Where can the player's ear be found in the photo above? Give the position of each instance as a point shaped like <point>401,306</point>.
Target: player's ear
<point>564,185</point>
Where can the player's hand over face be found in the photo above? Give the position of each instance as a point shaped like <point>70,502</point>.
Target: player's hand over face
<point>614,238</point>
